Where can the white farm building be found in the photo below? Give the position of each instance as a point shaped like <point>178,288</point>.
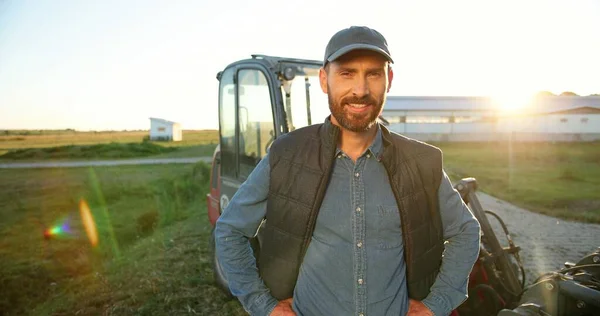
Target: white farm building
<point>164,130</point>
<point>545,118</point>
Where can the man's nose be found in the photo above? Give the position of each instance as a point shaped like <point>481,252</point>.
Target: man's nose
<point>361,87</point>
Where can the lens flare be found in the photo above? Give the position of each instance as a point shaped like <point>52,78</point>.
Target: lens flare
<point>103,212</point>
<point>57,231</point>
<point>88,222</point>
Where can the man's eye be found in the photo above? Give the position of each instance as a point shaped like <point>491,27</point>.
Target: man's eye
<point>375,74</point>
<point>345,73</point>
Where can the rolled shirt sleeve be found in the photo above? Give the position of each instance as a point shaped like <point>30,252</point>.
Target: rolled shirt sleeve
<point>462,236</point>
<point>239,222</point>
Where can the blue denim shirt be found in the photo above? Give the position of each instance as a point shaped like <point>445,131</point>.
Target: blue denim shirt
<point>354,264</point>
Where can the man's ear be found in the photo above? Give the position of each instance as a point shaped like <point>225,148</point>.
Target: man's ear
<point>390,78</point>
<point>323,79</point>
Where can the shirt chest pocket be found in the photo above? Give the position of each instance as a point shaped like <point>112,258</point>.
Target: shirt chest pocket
<point>387,230</point>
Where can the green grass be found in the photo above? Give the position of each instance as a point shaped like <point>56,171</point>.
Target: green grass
<point>152,257</point>
<point>561,179</point>
<point>107,151</point>
<point>114,150</point>
<point>206,150</point>
<point>20,139</point>
<point>98,151</point>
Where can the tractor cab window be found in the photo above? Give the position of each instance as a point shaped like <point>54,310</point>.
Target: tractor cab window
<point>304,102</point>
<point>227,124</point>
<point>255,119</point>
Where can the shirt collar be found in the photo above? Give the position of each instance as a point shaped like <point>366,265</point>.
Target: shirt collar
<point>376,146</point>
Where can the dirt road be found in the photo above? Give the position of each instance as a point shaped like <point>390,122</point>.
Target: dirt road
<point>546,242</point>
<point>74,164</point>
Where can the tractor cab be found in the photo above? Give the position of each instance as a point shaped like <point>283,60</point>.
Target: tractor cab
<point>259,99</point>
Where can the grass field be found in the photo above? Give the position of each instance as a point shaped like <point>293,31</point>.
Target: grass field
<point>561,179</point>
<point>12,140</point>
<point>152,256</point>
<point>71,145</point>
<point>107,151</point>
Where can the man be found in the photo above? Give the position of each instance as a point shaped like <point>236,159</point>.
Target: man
<point>359,220</point>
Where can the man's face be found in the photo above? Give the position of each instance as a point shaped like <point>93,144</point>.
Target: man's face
<point>356,85</point>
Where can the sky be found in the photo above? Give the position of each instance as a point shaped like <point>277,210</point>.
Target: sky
<point>110,65</point>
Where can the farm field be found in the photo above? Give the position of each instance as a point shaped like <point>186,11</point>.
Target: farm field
<point>12,140</point>
<point>558,179</point>
<point>66,145</point>
<point>561,179</point>
<point>151,256</point>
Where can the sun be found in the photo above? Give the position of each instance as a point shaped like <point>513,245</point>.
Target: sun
<point>513,102</point>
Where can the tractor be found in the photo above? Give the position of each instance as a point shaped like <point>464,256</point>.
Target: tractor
<point>263,97</point>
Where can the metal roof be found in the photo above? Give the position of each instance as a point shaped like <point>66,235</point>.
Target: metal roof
<point>565,103</point>
<point>272,61</point>
<point>416,103</point>
<point>163,121</point>
<point>547,104</point>
<point>277,59</point>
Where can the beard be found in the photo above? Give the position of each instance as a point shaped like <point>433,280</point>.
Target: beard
<point>356,122</point>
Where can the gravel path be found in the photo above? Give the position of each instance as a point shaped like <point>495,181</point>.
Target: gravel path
<point>546,242</point>
<point>74,164</point>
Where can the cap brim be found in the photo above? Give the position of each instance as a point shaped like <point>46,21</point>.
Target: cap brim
<point>346,49</point>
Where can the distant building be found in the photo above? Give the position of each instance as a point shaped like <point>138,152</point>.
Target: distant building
<point>548,118</point>
<point>164,130</point>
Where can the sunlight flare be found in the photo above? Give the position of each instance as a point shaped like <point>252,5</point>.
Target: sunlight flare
<point>88,222</point>
<point>103,213</point>
<point>513,102</point>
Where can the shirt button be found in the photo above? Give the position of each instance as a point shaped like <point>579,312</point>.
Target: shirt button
<point>368,155</point>
<point>339,156</point>
<point>358,209</point>
<point>361,314</point>
<point>360,281</point>
<point>359,245</point>
<point>356,174</point>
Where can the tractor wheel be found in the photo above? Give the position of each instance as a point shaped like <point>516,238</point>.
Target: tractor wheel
<point>219,274</point>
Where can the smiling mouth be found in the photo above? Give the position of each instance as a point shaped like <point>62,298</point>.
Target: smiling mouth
<point>357,107</point>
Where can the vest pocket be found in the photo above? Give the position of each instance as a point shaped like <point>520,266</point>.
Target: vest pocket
<point>388,232</point>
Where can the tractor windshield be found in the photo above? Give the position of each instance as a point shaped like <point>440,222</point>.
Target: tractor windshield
<point>304,102</point>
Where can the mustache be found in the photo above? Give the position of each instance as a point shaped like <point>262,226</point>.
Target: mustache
<point>367,99</point>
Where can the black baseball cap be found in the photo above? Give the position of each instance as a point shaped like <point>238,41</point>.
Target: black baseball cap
<point>353,38</point>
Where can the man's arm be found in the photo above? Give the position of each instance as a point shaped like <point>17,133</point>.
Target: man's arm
<point>238,222</point>
<point>462,233</point>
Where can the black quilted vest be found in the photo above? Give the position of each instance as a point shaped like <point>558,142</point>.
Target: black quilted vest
<point>301,163</point>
